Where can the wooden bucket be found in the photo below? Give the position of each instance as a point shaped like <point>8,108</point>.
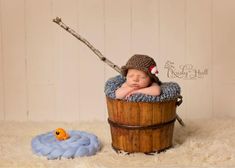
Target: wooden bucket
<point>141,126</point>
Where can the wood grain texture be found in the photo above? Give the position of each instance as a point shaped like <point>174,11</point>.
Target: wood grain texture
<point>91,68</point>
<point>199,54</point>
<point>117,33</point>
<point>67,62</point>
<point>124,116</point>
<point>2,113</point>
<point>13,53</point>
<point>46,74</point>
<point>40,60</point>
<point>223,58</point>
<point>173,42</point>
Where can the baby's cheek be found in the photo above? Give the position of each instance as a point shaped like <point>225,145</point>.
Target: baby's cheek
<point>128,82</point>
<point>142,84</point>
<point>146,83</point>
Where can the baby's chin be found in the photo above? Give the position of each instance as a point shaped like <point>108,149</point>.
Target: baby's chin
<point>133,85</point>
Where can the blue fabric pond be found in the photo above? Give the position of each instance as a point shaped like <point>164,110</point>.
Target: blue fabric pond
<point>169,91</point>
<point>79,144</point>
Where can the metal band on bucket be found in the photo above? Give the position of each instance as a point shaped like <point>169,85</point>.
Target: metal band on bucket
<point>139,127</point>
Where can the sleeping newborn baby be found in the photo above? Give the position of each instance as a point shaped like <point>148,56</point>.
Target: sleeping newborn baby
<point>141,77</point>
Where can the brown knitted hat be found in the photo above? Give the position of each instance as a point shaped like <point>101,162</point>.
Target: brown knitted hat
<point>142,63</point>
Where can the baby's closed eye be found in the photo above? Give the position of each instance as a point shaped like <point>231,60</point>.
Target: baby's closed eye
<point>143,77</point>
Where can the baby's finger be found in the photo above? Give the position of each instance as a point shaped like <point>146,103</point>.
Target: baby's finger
<point>127,96</point>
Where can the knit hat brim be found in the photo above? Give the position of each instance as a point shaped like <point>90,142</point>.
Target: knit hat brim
<point>143,63</point>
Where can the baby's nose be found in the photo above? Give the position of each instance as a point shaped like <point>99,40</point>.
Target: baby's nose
<point>136,79</point>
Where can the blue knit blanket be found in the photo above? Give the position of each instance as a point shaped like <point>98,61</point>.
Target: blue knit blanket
<point>169,91</point>
<point>79,144</point>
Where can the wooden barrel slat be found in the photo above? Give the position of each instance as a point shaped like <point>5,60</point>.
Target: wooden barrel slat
<point>157,117</point>
<point>135,134</point>
<point>145,138</point>
<point>156,142</point>
<point>146,115</point>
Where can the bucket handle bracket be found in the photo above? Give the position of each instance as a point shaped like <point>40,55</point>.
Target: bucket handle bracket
<point>179,102</point>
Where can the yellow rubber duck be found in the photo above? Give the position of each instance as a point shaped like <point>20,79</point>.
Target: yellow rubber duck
<point>61,134</point>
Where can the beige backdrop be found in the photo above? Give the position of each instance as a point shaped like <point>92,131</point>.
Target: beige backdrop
<point>46,74</point>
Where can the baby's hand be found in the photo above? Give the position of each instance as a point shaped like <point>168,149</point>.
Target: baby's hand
<point>131,93</point>
<point>124,91</point>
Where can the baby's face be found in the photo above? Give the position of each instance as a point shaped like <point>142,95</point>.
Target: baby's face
<point>137,78</point>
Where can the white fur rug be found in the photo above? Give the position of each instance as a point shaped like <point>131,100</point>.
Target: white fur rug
<point>202,143</point>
